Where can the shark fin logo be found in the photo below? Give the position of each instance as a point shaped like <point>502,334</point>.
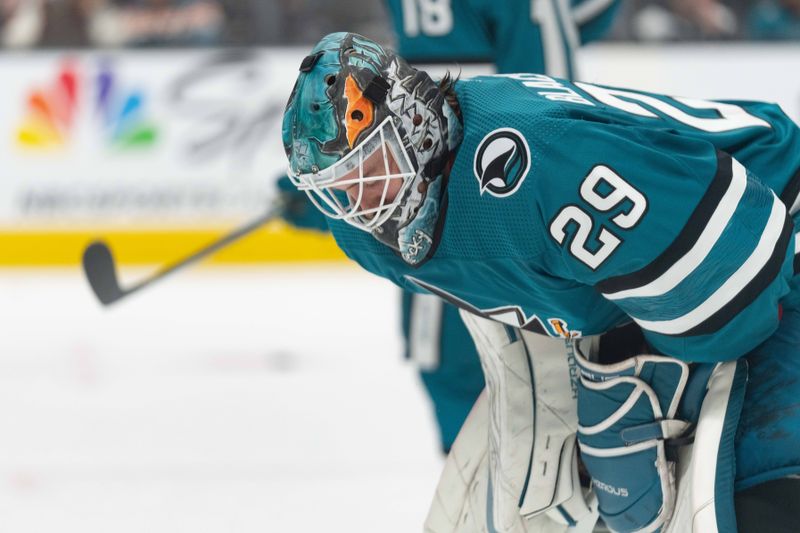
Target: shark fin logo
<point>502,161</point>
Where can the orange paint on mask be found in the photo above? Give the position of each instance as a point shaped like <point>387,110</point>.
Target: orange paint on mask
<point>358,116</point>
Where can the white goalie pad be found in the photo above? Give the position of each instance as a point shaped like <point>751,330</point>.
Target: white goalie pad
<point>514,466</point>
<point>462,503</point>
<point>698,507</point>
<point>459,505</point>
<point>532,419</point>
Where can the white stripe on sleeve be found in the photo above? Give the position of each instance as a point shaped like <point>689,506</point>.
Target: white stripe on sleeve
<point>543,12</point>
<point>588,10</point>
<point>733,285</point>
<point>700,250</point>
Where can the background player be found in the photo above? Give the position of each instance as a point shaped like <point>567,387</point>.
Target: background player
<point>513,35</point>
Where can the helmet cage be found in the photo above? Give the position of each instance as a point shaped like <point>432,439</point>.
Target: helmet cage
<point>326,188</point>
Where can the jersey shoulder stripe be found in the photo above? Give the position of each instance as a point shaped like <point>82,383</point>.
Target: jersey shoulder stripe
<point>737,290</point>
<point>714,210</point>
<point>769,271</point>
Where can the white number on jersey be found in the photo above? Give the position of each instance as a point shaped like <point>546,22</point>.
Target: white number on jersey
<point>429,17</point>
<point>731,117</point>
<point>621,192</point>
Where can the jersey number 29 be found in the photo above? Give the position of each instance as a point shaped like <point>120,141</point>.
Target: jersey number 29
<point>622,193</point>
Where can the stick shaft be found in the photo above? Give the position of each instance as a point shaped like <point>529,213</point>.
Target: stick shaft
<point>101,269</point>
<point>210,249</point>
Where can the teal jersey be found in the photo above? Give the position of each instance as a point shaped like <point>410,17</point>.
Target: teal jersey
<point>514,35</point>
<point>572,209</point>
<point>773,20</point>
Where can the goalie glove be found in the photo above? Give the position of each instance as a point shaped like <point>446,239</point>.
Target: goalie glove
<point>297,209</point>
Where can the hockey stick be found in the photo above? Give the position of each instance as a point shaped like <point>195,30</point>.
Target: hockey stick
<point>101,269</point>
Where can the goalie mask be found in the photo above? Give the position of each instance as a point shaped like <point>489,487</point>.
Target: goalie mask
<point>367,137</point>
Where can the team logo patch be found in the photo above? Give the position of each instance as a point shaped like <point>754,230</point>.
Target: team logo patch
<point>502,161</point>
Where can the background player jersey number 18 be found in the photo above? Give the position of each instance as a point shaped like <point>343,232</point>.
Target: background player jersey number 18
<point>433,18</point>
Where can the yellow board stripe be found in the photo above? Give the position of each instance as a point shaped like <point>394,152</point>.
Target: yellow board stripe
<point>275,242</point>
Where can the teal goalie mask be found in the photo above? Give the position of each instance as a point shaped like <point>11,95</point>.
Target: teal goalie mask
<point>368,137</point>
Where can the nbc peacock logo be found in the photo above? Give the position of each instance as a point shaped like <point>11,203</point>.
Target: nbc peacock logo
<point>52,111</point>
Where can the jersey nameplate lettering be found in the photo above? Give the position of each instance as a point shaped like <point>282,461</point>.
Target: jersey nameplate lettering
<point>551,89</point>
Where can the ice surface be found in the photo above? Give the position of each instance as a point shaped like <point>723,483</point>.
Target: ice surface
<point>221,400</point>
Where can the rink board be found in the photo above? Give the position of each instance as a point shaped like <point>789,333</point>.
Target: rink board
<point>161,151</point>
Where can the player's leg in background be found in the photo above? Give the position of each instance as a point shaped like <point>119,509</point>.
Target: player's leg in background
<point>436,339</point>
<point>438,342</point>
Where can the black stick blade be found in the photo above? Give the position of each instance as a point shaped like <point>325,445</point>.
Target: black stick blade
<point>98,265</point>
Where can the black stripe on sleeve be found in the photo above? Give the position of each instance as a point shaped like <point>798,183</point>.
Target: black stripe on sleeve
<point>685,240</point>
<point>796,263</point>
<point>752,290</point>
<point>792,189</point>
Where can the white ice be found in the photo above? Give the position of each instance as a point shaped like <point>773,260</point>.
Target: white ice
<point>222,400</point>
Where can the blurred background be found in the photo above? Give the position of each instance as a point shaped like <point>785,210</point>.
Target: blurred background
<point>264,390</point>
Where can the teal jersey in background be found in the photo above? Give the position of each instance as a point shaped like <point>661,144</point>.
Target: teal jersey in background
<point>574,208</point>
<point>773,20</point>
<point>514,35</point>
